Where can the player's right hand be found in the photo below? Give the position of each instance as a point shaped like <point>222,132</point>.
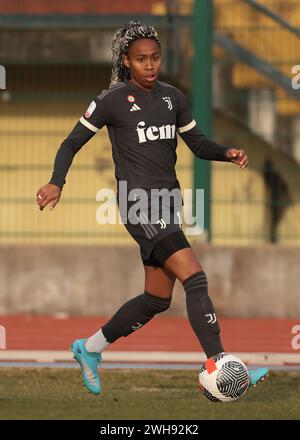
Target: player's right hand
<point>48,194</point>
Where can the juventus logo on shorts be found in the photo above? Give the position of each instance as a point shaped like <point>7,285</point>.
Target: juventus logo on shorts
<point>162,223</point>
<point>167,99</point>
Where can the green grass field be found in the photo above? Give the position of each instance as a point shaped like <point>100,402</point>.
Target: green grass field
<point>48,393</point>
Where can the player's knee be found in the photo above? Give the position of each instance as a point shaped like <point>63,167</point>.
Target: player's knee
<point>155,304</point>
<point>196,279</point>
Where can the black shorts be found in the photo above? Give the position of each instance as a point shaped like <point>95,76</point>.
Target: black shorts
<point>152,226</point>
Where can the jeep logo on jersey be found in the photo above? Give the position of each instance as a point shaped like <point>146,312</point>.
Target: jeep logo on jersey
<point>153,133</point>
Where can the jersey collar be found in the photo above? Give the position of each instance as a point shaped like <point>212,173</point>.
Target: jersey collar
<point>143,91</point>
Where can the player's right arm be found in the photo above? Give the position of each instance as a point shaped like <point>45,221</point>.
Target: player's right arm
<point>94,118</point>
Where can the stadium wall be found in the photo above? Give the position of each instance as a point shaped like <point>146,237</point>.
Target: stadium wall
<point>95,280</point>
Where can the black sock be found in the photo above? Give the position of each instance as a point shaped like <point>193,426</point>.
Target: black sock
<point>133,315</point>
<point>201,314</point>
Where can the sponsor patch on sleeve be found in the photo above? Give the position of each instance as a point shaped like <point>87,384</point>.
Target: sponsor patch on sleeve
<point>90,110</point>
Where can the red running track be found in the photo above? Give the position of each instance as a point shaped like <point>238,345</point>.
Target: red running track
<point>161,334</point>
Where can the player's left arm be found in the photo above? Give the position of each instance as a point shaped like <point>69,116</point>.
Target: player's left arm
<point>199,144</point>
<point>207,149</point>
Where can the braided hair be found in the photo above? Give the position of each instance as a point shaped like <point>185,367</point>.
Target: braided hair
<point>121,42</point>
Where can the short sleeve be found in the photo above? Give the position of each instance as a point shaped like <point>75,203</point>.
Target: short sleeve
<point>185,119</point>
<point>97,113</point>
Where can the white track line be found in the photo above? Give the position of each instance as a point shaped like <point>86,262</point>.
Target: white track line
<point>135,366</point>
<point>147,356</point>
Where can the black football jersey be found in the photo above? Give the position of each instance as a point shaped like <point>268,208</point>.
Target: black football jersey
<point>143,127</point>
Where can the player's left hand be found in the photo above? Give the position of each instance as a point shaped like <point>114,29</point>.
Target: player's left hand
<point>239,157</point>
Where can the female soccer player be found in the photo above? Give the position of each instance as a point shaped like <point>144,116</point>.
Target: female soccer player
<point>143,115</point>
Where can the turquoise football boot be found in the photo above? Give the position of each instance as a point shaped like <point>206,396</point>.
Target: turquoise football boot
<point>89,364</point>
<point>257,376</point>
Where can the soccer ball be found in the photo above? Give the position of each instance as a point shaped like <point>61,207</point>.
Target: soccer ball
<point>224,378</point>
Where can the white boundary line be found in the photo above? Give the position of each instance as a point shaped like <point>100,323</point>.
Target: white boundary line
<point>147,356</point>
